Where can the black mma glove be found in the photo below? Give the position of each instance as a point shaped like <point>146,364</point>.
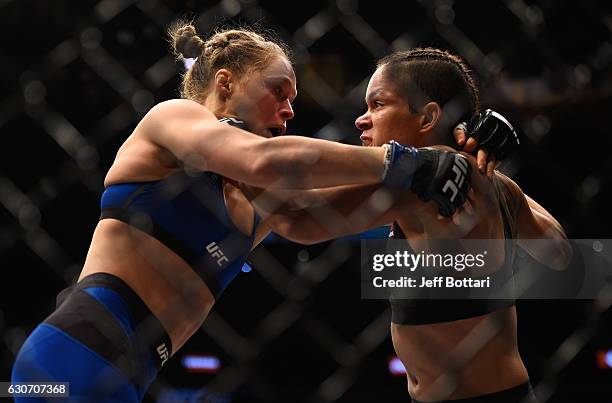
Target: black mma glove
<point>441,176</point>
<point>494,134</point>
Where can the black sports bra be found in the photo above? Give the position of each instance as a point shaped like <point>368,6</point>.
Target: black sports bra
<point>424,311</point>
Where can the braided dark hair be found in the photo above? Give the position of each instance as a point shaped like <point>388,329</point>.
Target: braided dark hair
<point>424,75</point>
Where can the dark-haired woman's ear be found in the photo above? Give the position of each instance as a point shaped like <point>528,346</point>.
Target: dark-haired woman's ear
<point>430,116</point>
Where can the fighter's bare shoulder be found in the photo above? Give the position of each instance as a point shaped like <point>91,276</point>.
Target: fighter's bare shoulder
<point>179,108</point>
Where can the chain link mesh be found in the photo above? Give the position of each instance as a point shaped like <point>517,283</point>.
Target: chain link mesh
<point>78,76</point>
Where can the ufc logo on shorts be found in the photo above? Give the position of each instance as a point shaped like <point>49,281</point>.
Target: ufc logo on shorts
<point>162,350</point>
<point>460,169</point>
<point>216,253</point>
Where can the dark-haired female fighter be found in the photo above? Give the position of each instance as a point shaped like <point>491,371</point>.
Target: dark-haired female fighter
<point>461,351</point>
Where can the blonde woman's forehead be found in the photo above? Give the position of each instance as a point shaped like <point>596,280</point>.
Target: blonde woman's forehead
<point>280,66</point>
<point>278,70</point>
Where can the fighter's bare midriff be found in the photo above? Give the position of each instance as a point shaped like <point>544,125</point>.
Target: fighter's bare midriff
<point>467,357</point>
<point>462,358</point>
<point>165,282</point>
<point>169,287</point>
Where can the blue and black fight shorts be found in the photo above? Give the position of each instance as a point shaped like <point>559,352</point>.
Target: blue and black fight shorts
<point>102,339</point>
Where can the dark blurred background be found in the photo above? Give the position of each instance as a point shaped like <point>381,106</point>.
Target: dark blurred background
<point>77,76</point>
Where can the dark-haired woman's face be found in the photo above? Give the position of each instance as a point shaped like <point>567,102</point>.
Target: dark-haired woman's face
<point>388,116</point>
<point>263,98</point>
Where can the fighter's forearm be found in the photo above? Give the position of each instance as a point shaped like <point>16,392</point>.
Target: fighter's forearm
<point>335,212</point>
<point>294,162</point>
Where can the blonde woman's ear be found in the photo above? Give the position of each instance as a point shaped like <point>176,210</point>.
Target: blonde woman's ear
<point>223,82</point>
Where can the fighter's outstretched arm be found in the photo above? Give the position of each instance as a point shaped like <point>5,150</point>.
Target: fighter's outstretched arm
<point>318,215</point>
<point>321,214</point>
<point>196,138</point>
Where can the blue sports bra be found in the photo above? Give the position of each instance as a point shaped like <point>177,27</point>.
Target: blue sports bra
<point>188,215</point>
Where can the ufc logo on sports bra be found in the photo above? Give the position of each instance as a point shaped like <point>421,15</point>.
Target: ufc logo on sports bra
<point>460,169</point>
<point>162,350</point>
<point>216,253</point>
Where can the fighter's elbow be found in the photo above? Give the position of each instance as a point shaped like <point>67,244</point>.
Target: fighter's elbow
<point>561,249</point>
<point>305,240</point>
<point>298,231</point>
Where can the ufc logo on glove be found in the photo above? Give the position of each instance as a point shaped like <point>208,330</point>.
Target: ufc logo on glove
<point>460,168</point>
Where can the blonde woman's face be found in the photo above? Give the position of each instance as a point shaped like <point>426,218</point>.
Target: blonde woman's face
<point>263,98</point>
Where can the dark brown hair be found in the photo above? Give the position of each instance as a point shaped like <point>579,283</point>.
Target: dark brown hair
<point>424,75</point>
<point>238,50</point>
